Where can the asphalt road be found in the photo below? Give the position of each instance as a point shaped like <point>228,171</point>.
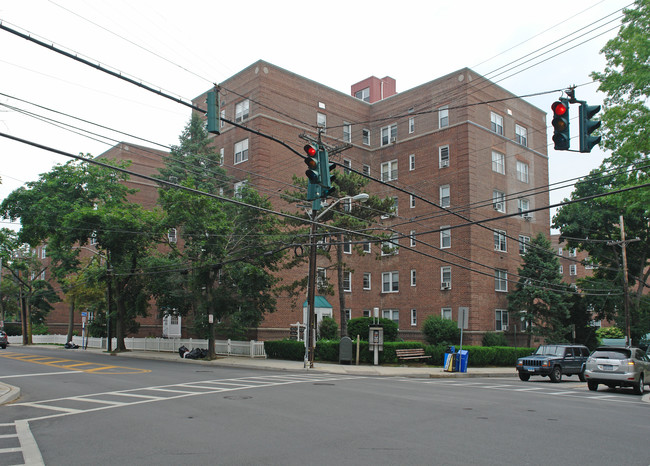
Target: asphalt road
<point>92,409</point>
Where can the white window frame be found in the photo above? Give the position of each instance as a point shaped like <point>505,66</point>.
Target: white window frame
<point>347,132</point>
<point>241,151</point>
<point>390,282</point>
<point>445,196</point>
<point>172,236</point>
<point>496,123</point>
<point>446,313</point>
<point>347,245</point>
<point>412,201</point>
<point>321,121</point>
<point>523,206</point>
<point>43,252</point>
<point>347,164</point>
<point>561,269</point>
<point>499,201</point>
<point>365,135</point>
<point>222,156</point>
<point>363,94</point>
<point>389,170</point>
<point>500,243</point>
<point>367,281</point>
<point>223,118</point>
<point>521,135</point>
<point>573,252</point>
<point>443,116</point>
<point>347,281</point>
<point>560,251</point>
<point>411,125</point>
<point>443,156</point>
<point>367,247</point>
<point>388,134</point>
<point>242,110</point>
<point>391,314</point>
<point>238,187</point>
<point>414,317</point>
<point>414,278</point>
<point>500,320</point>
<point>498,162</point>
<point>390,248</point>
<point>411,162</point>
<point>524,241</point>
<point>412,242</point>
<point>445,275</point>
<point>573,270</point>
<point>522,171</point>
<point>501,280</point>
<point>445,237</point>
<point>321,277</point>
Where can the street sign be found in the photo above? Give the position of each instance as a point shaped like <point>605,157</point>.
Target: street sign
<point>463,317</point>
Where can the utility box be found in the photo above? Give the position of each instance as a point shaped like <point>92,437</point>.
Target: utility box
<point>376,338</point>
<point>345,350</point>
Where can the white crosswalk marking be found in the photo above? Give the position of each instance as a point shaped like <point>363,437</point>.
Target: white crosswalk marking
<point>27,447</point>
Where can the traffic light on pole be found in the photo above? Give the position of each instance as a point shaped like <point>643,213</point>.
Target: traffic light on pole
<point>588,126</point>
<point>561,133</point>
<point>214,112</point>
<point>313,172</point>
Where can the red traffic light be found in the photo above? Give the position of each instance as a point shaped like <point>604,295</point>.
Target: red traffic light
<point>310,150</point>
<point>558,108</point>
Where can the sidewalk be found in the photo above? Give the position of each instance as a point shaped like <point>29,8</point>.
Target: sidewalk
<point>9,393</point>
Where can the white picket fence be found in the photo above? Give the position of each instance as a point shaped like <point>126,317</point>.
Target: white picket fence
<point>251,349</point>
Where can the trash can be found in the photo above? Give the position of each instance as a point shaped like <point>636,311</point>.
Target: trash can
<point>450,359</point>
<point>460,362</point>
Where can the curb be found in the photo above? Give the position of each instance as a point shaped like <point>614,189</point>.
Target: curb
<point>9,393</point>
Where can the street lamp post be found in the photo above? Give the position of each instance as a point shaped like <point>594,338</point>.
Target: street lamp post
<point>311,290</point>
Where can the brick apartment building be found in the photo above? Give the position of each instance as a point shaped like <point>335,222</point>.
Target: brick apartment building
<point>461,148</point>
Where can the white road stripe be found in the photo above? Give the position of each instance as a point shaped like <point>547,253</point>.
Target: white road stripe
<point>39,374</point>
<point>31,453</point>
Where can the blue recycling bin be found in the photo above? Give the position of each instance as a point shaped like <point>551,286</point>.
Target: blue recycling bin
<point>460,361</point>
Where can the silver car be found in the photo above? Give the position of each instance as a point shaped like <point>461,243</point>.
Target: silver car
<point>617,366</point>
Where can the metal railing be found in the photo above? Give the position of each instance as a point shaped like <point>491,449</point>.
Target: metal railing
<point>251,349</point>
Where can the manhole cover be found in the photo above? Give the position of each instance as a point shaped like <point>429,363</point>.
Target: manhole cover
<point>323,383</point>
<point>238,397</point>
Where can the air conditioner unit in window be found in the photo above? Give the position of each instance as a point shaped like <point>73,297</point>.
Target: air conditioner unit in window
<point>527,217</point>
<point>393,139</point>
<point>444,163</point>
<point>504,327</point>
<point>498,206</point>
<point>445,286</point>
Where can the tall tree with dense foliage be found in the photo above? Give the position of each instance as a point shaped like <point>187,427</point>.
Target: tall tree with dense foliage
<point>226,251</point>
<point>540,296</point>
<point>593,225</point>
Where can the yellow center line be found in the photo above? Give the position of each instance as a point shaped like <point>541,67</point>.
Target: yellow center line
<point>72,364</point>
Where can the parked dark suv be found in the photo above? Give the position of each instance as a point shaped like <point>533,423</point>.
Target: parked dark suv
<point>554,361</point>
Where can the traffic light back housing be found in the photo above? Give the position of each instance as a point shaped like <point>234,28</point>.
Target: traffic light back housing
<point>588,126</point>
<point>214,113</point>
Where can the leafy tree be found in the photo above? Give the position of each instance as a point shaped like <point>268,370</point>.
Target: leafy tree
<point>226,251</point>
<point>590,225</point>
<point>494,339</point>
<point>439,331</point>
<point>540,294</point>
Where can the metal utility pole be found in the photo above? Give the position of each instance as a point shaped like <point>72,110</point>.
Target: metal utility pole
<point>623,244</point>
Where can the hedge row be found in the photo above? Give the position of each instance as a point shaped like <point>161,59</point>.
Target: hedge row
<point>328,350</point>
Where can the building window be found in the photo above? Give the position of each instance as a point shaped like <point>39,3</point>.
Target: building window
<point>445,313</point>
<point>498,162</point>
<point>43,252</point>
<point>367,247</point>
<point>171,235</point>
<point>390,282</point>
<point>500,241</point>
<point>321,278</point>
<point>521,135</point>
<point>501,280</point>
<point>347,132</point>
<point>412,201</point>
<point>321,120</point>
<point>241,151</point>
<point>347,164</point>
<point>413,278</point>
<point>389,171</point>
<point>523,244</point>
<point>93,238</point>
<point>414,317</point>
<point>443,156</point>
<point>411,125</point>
<point>388,134</point>
<point>445,237</point>
<point>445,196</point>
<point>445,278</point>
<point>366,170</point>
<point>560,251</point>
<point>348,314</point>
<point>367,280</point>
<point>347,245</point>
<point>501,320</point>
<point>347,280</point>
<point>388,248</point>
<point>221,156</point>
<point>391,314</point>
<point>223,117</point>
<point>522,207</point>
<point>496,123</point>
<point>573,269</point>
<point>363,94</point>
<point>573,252</point>
<point>365,134</point>
<point>412,238</point>
<point>241,110</point>
<point>522,171</point>
<point>443,116</point>
<point>499,200</point>
<point>561,270</point>
<point>238,188</point>
<point>412,162</point>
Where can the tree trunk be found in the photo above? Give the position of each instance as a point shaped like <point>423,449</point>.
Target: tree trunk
<point>119,322</point>
<point>23,318</point>
<point>339,270</point>
<point>70,322</point>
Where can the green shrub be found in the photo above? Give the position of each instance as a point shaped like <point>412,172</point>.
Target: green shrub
<point>360,327</point>
<point>328,329</point>
<point>291,350</point>
<point>494,339</point>
<point>327,350</point>
<point>610,332</point>
<point>439,331</point>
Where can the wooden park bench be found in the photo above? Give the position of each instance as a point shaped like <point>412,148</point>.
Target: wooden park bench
<point>411,353</point>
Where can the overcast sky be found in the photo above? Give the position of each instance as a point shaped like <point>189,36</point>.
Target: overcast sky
<point>183,47</point>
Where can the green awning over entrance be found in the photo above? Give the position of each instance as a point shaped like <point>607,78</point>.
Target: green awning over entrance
<point>319,301</point>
